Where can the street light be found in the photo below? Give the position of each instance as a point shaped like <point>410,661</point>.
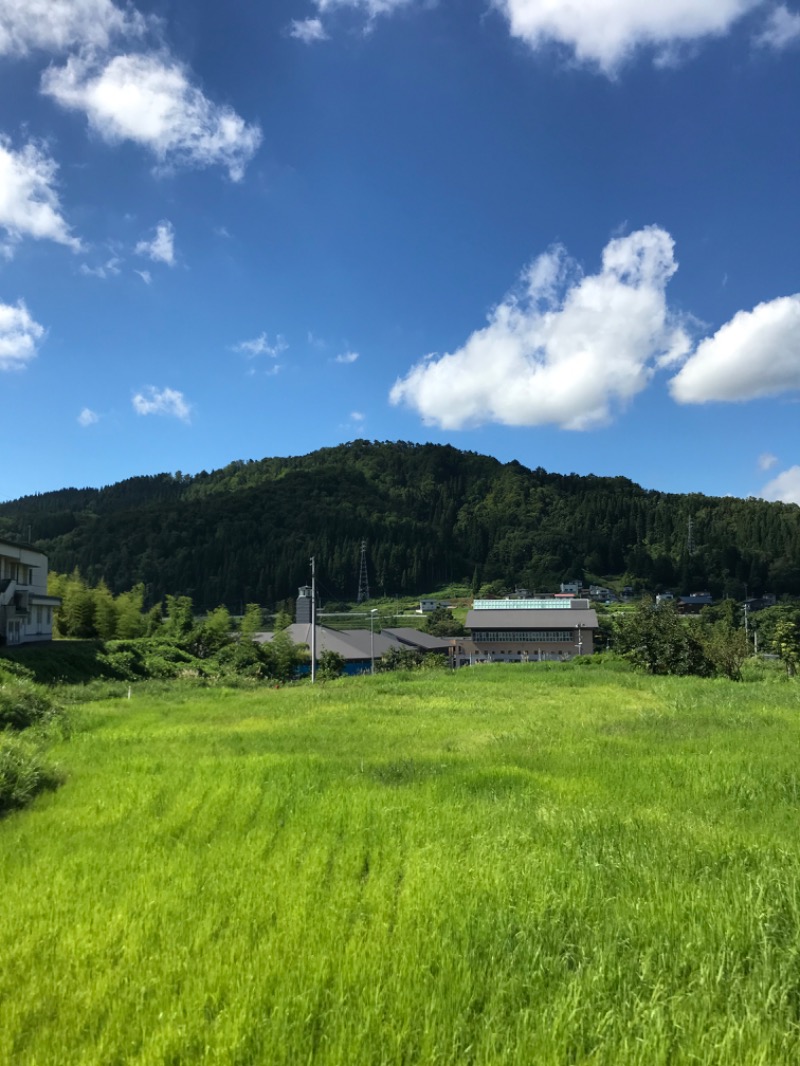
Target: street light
<point>580,638</point>
<point>372,614</point>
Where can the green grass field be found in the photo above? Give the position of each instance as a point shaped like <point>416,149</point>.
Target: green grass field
<point>537,865</point>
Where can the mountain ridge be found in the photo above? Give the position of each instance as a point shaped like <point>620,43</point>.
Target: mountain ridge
<point>431,514</point>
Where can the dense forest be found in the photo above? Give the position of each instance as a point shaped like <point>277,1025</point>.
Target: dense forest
<point>430,515</point>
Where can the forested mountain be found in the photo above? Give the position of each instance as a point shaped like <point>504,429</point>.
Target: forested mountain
<point>430,515</point>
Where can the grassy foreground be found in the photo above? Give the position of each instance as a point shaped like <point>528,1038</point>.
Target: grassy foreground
<point>506,865</point>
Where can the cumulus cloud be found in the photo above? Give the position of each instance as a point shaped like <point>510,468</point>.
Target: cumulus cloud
<point>766,461</point>
<point>19,336</point>
<point>346,357</point>
<point>63,25</point>
<point>161,249</point>
<point>88,417</point>
<point>307,30</point>
<point>261,346</point>
<point>781,29</point>
<point>607,32</point>
<point>357,416</point>
<point>150,100</point>
<point>29,203</point>
<point>153,401</point>
<point>755,354</point>
<point>566,349</point>
<point>785,488</point>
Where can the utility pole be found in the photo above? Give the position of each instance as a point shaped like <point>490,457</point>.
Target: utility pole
<point>313,621</point>
<point>363,580</point>
<point>372,614</point>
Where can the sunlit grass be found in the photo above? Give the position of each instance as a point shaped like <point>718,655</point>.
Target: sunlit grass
<point>505,865</point>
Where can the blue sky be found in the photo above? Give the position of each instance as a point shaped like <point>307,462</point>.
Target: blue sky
<point>559,231</point>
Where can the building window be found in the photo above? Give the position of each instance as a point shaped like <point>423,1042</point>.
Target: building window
<point>524,636</point>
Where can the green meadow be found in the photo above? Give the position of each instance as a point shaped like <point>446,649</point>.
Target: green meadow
<point>507,865</point>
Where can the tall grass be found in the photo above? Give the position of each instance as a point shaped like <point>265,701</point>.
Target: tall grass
<point>505,865</point>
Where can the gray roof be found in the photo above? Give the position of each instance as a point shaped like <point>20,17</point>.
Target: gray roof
<point>541,618</point>
<point>352,644</point>
<point>417,639</point>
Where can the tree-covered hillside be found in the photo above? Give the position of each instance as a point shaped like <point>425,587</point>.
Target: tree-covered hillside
<point>430,515</point>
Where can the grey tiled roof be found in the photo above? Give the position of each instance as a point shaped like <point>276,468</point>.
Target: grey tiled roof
<point>353,644</point>
<point>418,639</point>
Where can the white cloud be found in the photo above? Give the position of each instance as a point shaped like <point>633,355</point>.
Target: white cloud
<point>153,401</point>
<point>261,346</point>
<point>19,336</point>
<point>755,354</point>
<point>781,29</point>
<point>161,249</point>
<point>357,416</point>
<point>62,25</point>
<point>145,275</point>
<point>607,32</point>
<point>149,99</point>
<point>307,30</point>
<point>785,487</point>
<point>108,269</point>
<point>767,461</point>
<point>346,357</point>
<point>29,204</point>
<point>567,349</point>
<point>88,417</point>
<point>371,8</point>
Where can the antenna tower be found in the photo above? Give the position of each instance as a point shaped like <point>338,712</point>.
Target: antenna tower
<point>363,580</point>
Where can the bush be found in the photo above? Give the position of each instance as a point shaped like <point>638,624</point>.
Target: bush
<point>13,671</point>
<point>23,704</point>
<point>657,639</point>
<point>330,666</point>
<point>23,773</point>
<point>399,659</point>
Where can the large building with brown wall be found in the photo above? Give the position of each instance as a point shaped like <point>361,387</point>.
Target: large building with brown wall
<point>529,630</point>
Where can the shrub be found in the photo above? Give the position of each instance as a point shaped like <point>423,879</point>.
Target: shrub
<point>13,671</point>
<point>399,659</point>
<point>23,773</point>
<point>331,665</point>
<point>23,704</point>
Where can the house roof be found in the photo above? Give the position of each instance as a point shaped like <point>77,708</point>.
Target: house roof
<point>352,644</point>
<point>539,618</point>
<point>417,639</point>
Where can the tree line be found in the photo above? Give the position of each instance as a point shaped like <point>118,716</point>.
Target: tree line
<point>430,514</point>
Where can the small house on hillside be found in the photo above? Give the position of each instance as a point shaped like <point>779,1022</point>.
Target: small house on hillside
<point>694,603</point>
<point>26,611</point>
<point>428,606</point>
<point>571,587</point>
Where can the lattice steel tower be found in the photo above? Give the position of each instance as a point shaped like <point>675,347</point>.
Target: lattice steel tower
<point>363,580</point>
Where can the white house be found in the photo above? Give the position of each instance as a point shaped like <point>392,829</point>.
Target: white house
<point>26,611</point>
<point>428,606</point>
